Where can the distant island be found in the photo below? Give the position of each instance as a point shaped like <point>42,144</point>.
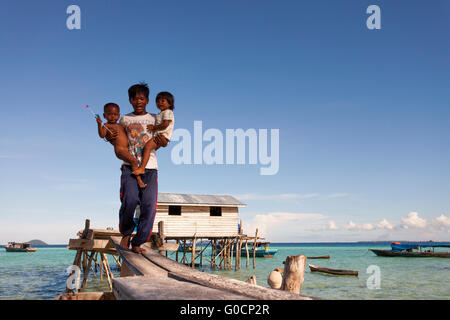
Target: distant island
<point>37,242</point>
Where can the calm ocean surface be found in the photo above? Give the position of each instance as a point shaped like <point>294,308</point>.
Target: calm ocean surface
<point>42,275</point>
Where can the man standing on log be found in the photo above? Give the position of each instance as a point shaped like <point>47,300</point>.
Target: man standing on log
<point>135,125</point>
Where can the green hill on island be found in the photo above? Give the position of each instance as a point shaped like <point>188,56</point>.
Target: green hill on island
<point>37,242</point>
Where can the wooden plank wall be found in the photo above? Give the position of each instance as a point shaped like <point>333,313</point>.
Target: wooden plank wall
<point>196,220</point>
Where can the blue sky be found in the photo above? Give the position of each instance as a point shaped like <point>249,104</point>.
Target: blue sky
<point>362,114</point>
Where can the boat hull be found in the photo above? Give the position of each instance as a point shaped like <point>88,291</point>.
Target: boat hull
<point>259,253</point>
<point>390,253</point>
<point>20,249</point>
<point>336,272</point>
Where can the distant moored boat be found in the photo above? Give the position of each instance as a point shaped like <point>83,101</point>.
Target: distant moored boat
<point>337,272</point>
<point>19,247</point>
<point>414,249</point>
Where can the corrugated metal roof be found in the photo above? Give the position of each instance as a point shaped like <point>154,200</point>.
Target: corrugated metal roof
<point>198,199</point>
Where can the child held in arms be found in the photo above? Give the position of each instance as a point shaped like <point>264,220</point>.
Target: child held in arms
<point>164,127</point>
<point>120,140</point>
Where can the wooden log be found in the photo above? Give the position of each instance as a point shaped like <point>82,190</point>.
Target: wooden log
<point>145,288</point>
<point>182,282</point>
<point>181,272</point>
<point>294,270</point>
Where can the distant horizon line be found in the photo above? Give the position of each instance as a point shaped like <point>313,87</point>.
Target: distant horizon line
<point>276,242</point>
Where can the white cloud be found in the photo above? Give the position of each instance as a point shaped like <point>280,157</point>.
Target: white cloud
<point>414,221</point>
<point>361,226</point>
<point>442,221</point>
<point>331,225</point>
<point>384,224</point>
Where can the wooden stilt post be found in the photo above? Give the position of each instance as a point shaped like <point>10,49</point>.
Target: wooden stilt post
<point>213,252</point>
<point>105,268</point>
<point>294,270</point>
<point>254,248</point>
<point>86,271</point>
<point>161,236</point>
<point>176,253</point>
<point>246,251</point>
<point>193,252</point>
<point>119,265</point>
<point>201,252</point>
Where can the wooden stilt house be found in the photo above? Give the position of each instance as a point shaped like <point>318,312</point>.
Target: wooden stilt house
<point>202,216</point>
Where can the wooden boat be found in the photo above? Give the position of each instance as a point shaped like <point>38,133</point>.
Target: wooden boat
<point>19,247</point>
<point>414,249</point>
<point>319,257</point>
<point>337,272</point>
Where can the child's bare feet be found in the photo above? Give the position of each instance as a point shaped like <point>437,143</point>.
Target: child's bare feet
<point>139,171</point>
<point>138,249</point>
<point>125,242</point>
<point>141,183</point>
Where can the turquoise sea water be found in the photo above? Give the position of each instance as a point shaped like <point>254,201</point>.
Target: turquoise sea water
<point>42,275</point>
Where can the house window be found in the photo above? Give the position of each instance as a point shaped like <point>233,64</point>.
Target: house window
<point>174,210</point>
<point>215,211</point>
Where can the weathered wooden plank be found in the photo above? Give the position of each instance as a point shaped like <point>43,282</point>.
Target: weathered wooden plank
<point>87,244</point>
<point>136,263</point>
<point>154,288</point>
<point>181,272</point>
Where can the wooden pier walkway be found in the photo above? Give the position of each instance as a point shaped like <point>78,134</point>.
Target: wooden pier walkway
<point>152,276</point>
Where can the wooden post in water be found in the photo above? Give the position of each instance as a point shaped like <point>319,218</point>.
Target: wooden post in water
<point>161,236</point>
<point>176,253</point>
<point>254,248</point>
<point>246,251</point>
<point>294,271</point>
<point>193,252</point>
<point>201,252</point>
<point>86,271</point>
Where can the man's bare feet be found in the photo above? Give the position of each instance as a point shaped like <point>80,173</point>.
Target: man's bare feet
<point>138,249</point>
<point>125,242</point>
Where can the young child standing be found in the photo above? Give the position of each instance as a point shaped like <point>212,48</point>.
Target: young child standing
<point>120,141</point>
<point>164,127</point>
